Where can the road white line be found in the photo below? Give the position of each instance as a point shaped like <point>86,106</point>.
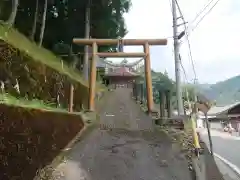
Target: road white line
<point>110,115</point>
<point>223,135</point>
<point>232,166</point>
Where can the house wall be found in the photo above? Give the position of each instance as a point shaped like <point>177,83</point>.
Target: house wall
<point>122,80</point>
<point>235,110</point>
<point>235,120</point>
<point>217,125</point>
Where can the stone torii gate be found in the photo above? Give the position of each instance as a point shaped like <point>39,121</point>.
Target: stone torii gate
<point>125,42</point>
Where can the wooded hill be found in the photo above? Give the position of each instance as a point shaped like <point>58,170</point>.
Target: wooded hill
<point>224,92</point>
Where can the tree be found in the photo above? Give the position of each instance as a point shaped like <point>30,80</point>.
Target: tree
<point>65,19</point>
<point>13,14</point>
<point>34,22</point>
<point>87,35</point>
<point>124,61</point>
<point>190,90</point>
<point>161,82</point>
<point>43,23</point>
<point>165,73</point>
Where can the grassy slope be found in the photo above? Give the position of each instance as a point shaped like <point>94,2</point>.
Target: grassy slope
<point>33,104</point>
<point>41,55</point>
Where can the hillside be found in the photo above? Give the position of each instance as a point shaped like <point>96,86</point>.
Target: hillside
<point>224,92</point>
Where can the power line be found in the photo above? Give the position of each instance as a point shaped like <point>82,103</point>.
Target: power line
<point>205,15</point>
<point>187,37</point>
<point>184,72</point>
<point>185,89</point>
<point>201,11</point>
<point>190,56</point>
<point>207,5</point>
<point>187,34</point>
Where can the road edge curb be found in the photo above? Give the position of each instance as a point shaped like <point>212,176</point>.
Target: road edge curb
<point>87,129</point>
<point>233,167</point>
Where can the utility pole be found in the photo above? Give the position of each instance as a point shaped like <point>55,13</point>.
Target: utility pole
<point>177,60</point>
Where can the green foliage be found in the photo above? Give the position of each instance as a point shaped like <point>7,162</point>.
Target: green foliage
<point>40,55</point>
<point>33,104</point>
<point>66,20</point>
<point>188,92</point>
<point>160,82</point>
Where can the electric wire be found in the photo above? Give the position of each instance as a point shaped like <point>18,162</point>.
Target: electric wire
<point>187,32</point>
<point>190,54</point>
<point>201,11</point>
<point>201,19</point>
<point>196,140</point>
<point>185,89</point>
<point>188,41</point>
<point>184,72</point>
<point>204,15</point>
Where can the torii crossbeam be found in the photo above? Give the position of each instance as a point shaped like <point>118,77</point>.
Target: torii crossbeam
<point>126,42</point>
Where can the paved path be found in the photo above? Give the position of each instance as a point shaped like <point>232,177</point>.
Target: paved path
<point>227,147</point>
<point>125,147</point>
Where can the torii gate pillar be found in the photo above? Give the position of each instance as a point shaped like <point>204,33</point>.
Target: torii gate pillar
<point>148,76</point>
<point>93,77</point>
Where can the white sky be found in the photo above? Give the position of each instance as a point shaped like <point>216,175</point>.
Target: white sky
<point>214,42</point>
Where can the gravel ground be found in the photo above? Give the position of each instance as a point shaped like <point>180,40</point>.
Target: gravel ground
<point>124,147</point>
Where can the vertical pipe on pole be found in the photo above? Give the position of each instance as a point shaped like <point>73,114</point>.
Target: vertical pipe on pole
<point>148,78</point>
<point>163,104</point>
<point>195,110</point>
<point>160,103</point>
<point>92,82</point>
<point>177,60</point>
<point>142,94</point>
<point>133,89</point>
<point>137,92</point>
<point>169,103</point>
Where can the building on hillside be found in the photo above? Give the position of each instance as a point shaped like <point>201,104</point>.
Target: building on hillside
<point>229,114</point>
<point>122,76</point>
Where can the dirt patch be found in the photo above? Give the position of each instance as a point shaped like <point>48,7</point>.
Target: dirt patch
<point>184,140</point>
<point>30,139</point>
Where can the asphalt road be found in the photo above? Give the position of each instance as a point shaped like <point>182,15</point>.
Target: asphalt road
<point>124,147</point>
<point>225,145</point>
